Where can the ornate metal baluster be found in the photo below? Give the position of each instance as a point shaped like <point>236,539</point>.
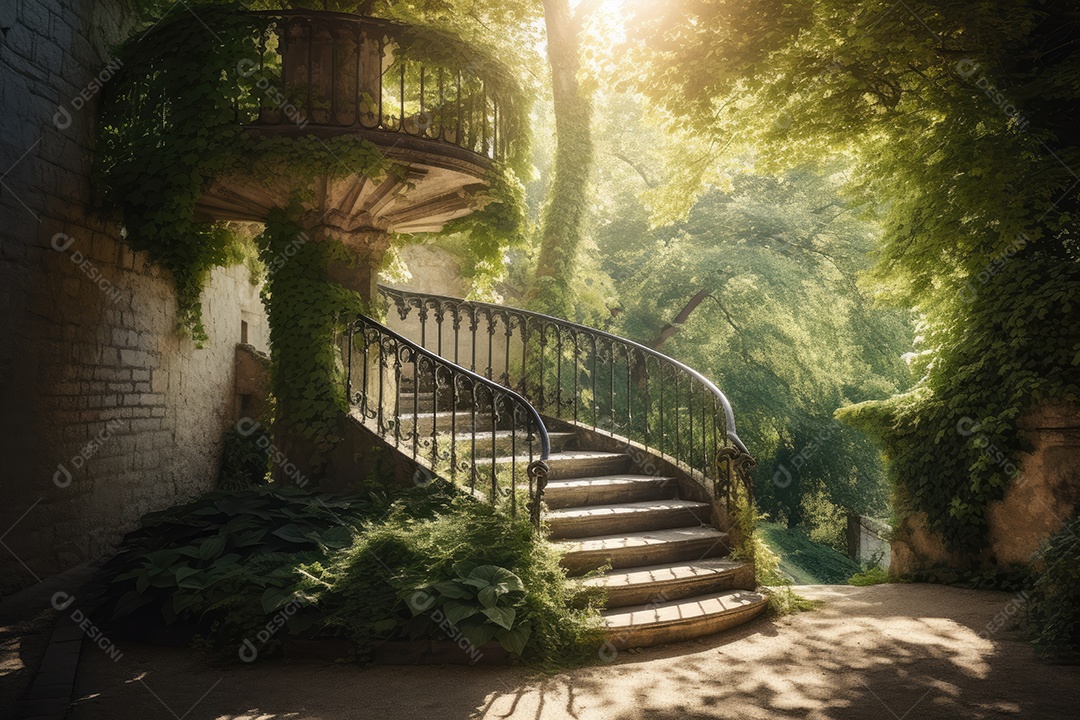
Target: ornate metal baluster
<point>690,433</point>
<point>490,345</point>
<point>494,446</point>
<point>474,325</point>
<point>611,361</point>
<point>513,467</point>
<point>456,325</point>
<point>506,364</point>
<point>558,371</point>
<point>435,415</point>
<point>472,437</point>
<point>577,373</point>
<point>593,379</point>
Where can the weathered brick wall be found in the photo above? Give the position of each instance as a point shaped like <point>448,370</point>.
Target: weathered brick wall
<point>105,412</point>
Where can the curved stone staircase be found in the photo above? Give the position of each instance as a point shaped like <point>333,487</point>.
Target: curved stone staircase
<point>670,579</point>
<point>626,458</point>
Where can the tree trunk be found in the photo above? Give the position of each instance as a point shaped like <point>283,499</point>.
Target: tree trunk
<point>567,202</point>
<point>675,325</point>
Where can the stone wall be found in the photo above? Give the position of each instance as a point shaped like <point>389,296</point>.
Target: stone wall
<point>868,540</point>
<point>1044,495</point>
<point>105,411</point>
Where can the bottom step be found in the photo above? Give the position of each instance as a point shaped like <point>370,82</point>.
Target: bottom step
<point>660,623</point>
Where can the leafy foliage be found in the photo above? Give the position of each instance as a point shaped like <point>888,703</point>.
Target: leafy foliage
<point>953,118</point>
<point>244,462</point>
<point>368,590</point>
<point>307,313</point>
<point>170,126</point>
<point>785,330</point>
<point>229,557</point>
<point>876,575</point>
<point>363,566</point>
<point>1052,611</point>
<point>478,601</point>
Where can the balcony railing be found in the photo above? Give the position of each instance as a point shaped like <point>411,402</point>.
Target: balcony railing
<point>335,73</point>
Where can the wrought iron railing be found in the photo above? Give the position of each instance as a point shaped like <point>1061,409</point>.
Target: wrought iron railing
<point>450,421</point>
<point>339,72</point>
<point>590,378</point>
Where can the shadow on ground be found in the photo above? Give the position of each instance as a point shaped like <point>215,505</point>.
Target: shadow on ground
<point>889,651</point>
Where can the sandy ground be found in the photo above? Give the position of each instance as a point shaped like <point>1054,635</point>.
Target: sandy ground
<point>890,651</point>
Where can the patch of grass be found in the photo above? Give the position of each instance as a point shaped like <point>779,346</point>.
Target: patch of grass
<point>876,575</point>
<point>804,561</point>
<point>784,601</point>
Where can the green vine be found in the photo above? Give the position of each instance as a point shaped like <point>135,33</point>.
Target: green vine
<point>307,312</point>
<point>169,127</point>
<point>953,442</point>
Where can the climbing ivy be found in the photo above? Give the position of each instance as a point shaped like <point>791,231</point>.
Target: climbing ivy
<point>952,119</point>
<point>307,312</point>
<point>954,438</point>
<point>170,126</point>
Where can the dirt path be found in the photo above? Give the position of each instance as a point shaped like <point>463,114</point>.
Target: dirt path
<point>890,651</point>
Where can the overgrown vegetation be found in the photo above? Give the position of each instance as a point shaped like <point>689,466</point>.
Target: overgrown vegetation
<point>806,562</point>
<point>170,126</point>
<point>953,120</point>
<point>245,461</point>
<point>782,328</point>
<point>370,568</point>
<point>1052,609</point>
<point>875,575</point>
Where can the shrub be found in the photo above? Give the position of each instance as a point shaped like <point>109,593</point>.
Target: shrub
<point>1052,611</point>
<point>875,575</point>
<point>244,464</point>
<point>369,592</point>
<point>369,567</point>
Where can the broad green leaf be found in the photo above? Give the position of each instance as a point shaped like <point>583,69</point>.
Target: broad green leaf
<point>503,617</point>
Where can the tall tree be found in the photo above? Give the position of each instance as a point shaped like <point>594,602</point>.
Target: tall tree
<point>958,119</point>
<point>567,203</point>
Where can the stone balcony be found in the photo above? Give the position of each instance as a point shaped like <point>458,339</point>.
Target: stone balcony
<point>423,98</point>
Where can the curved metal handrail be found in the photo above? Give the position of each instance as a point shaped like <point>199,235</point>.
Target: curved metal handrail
<point>517,323</point>
<point>383,358</point>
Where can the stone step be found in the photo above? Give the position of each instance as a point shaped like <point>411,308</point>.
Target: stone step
<point>644,548</point>
<point>444,420</point>
<point>416,402</point>
<point>678,620</point>
<point>595,520</point>
<point>575,492</point>
<point>574,463</point>
<point>672,581</point>
<point>506,442</point>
